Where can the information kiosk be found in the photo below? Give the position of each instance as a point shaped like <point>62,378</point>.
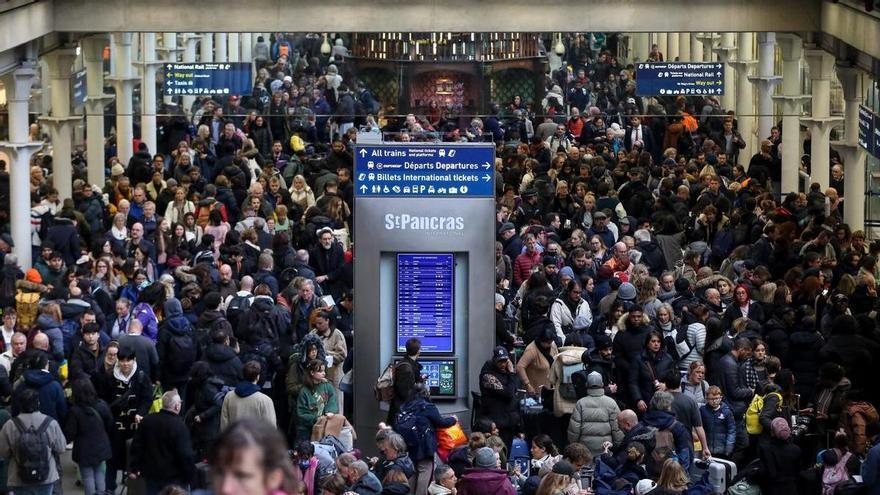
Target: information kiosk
<point>424,267</point>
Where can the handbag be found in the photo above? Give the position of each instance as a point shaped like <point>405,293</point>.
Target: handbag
<point>156,405</point>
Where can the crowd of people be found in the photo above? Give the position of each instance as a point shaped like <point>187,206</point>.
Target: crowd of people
<point>661,309</point>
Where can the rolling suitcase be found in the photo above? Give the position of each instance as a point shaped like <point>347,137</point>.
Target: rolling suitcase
<point>721,474</point>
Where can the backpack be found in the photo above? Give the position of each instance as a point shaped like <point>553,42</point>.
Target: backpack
<point>236,307</point>
<point>835,475</point>
<point>182,352</point>
<point>32,451</point>
<point>753,413</point>
<point>27,306</point>
<point>567,388</point>
<point>415,428</point>
<point>384,388</point>
<point>266,355</point>
<point>664,448</point>
<point>69,332</point>
<point>677,345</point>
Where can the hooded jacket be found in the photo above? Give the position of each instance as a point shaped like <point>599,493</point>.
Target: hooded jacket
<point>665,420</point>
<point>224,362</point>
<point>246,401</point>
<point>10,436</point>
<point>499,396</point>
<point>594,421</point>
<point>485,481</point>
<point>52,400</point>
<point>175,334</point>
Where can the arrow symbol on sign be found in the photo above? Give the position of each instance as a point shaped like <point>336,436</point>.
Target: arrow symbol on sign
<point>363,188</point>
<point>487,165</point>
<point>718,74</point>
<point>363,152</point>
<point>487,177</point>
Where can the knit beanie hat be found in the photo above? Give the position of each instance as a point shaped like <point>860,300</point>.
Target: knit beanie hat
<point>33,276</point>
<point>485,457</point>
<point>780,429</point>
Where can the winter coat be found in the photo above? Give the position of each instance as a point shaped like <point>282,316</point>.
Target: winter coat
<point>871,470</point>
<point>65,238</point>
<point>567,356</point>
<point>856,417</point>
<point>401,463</point>
<point>175,368</point>
<point>9,438</point>
<point>733,313</point>
<point>224,362</point>
<point>804,348</point>
<point>663,420</point>
<point>563,319</point>
<point>498,391</point>
<point>732,385</point>
<point>594,421</point>
<point>83,363</point>
<point>720,427</point>
<point>627,347</point>
<point>89,427</point>
<point>52,399</point>
<point>533,368</point>
<point>246,401</point>
<point>144,313</point>
<point>334,345</point>
<point>314,402</point>
<point>696,336</point>
<point>485,481</point>
<point>205,405</point>
<point>652,257</point>
<point>161,450</point>
<point>779,467</point>
<point>93,210</point>
<point>367,485</point>
<point>428,415</point>
<point>645,371</point>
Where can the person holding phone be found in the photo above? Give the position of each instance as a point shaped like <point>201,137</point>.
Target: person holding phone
<point>498,385</point>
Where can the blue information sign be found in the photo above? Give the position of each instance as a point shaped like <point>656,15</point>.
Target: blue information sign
<point>876,133</point>
<point>435,170</point>
<point>208,79</point>
<point>679,78</point>
<point>866,128</point>
<point>425,288</point>
<point>80,88</point>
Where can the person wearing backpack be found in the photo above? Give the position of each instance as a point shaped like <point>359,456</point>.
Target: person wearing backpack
<point>839,464</point>
<point>418,422</point>
<point>31,441</point>
<point>671,438</point>
<point>206,392</point>
<point>176,347</point>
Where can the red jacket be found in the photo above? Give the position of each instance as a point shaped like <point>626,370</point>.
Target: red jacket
<point>522,267</point>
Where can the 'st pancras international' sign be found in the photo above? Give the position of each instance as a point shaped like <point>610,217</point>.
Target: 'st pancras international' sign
<point>434,170</point>
<point>679,78</point>
<point>208,79</point>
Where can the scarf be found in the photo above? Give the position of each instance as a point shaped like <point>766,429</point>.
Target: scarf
<point>119,235</point>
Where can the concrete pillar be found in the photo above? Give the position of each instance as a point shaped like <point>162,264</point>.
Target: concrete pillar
<point>765,83</point>
<point>234,47</point>
<point>684,47</point>
<point>662,41</point>
<point>18,91</point>
<point>60,122</point>
<point>708,40</point>
<point>221,48</point>
<point>672,46</point>
<point>726,52</point>
<point>207,48</point>
<point>853,155</point>
<point>96,100</point>
<point>123,82</point>
<point>696,48</point>
<point>745,104</point>
<point>168,52</point>
<point>247,47</point>
<point>641,46</point>
<point>189,56</point>
<point>148,90</point>
<point>791,103</point>
<point>820,121</point>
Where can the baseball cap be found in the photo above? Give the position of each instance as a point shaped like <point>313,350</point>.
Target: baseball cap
<point>506,226</point>
<point>599,214</point>
<point>500,354</point>
<point>645,486</point>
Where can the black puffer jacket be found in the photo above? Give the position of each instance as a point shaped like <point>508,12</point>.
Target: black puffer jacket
<point>224,362</point>
<point>88,428</point>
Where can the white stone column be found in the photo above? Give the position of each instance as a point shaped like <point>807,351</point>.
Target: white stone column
<point>148,64</point>
<point>791,103</point>
<point>745,104</point>
<point>96,100</point>
<point>234,47</point>
<point>60,122</point>
<point>696,48</point>
<point>708,40</point>
<point>672,46</point>
<point>820,121</point>
<point>641,46</point>
<point>684,47</point>
<point>662,41</point>
<point>207,48</point>
<point>853,155</point>
<point>168,53</point>
<point>189,56</point>
<point>123,82</point>
<point>221,48</point>
<point>765,83</point>
<point>726,52</point>
<point>18,92</point>
<point>247,47</point>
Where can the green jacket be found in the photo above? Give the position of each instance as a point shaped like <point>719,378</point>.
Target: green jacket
<point>315,402</point>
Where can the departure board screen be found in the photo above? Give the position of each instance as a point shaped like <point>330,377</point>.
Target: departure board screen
<point>425,300</point>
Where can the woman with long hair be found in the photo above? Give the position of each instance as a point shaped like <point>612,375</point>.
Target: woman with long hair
<point>179,207</point>
<point>317,398</point>
<point>251,457</point>
<point>104,275</point>
<point>558,481</point>
<point>192,229</point>
<point>673,479</point>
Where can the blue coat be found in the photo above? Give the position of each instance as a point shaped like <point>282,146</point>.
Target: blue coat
<point>871,470</point>
<point>52,400</point>
<point>664,420</point>
<point>429,416</point>
<point>720,428</point>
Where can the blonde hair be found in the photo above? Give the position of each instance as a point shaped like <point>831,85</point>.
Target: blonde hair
<point>673,477</point>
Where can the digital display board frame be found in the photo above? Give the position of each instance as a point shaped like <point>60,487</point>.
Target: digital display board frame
<point>442,375</point>
<point>415,271</point>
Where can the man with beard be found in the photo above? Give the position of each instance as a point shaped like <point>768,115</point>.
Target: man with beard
<point>327,259</point>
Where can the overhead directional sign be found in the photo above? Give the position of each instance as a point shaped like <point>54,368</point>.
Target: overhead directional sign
<point>208,79</point>
<point>866,129</point>
<point>425,170</point>
<point>80,88</point>
<point>876,133</point>
<point>679,78</point>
